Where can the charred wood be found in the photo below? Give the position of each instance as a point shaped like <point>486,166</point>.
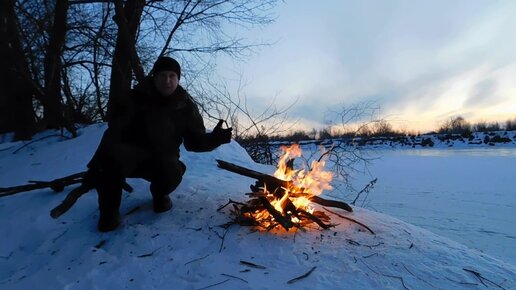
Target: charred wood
<point>277,186</point>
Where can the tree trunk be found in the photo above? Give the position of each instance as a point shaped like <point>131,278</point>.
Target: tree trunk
<point>125,58</point>
<point>16,111</point>
<point>52,104</point>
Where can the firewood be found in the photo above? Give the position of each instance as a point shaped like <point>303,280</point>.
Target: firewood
<point>57,184</point>
<point>330,203</point>
<point>69,201</point>
<point>72,197</point>
<point>315,219</point>
<point>277,186</point>
<point>268,179</point>
<point>283,221</point>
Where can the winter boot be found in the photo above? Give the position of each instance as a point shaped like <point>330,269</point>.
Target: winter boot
<point>109,222</point>
<point>162,203</point>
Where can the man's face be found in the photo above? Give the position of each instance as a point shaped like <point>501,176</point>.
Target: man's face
<point>166,82</point>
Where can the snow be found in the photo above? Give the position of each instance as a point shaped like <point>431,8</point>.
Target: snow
<point>186,249</point>
<point>473,201</point>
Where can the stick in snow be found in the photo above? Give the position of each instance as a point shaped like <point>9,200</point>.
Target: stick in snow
<point>302,276</point>
<point>252,264</point>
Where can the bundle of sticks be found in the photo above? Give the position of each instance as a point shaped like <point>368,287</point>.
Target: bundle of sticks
<point>269,188</point>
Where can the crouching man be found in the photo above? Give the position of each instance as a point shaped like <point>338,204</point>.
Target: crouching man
<point>143,138</point>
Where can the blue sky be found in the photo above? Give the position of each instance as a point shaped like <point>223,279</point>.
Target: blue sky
<point>422,62</point>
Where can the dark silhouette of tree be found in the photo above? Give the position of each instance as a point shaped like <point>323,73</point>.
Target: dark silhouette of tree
<point>73,58</point>
<point>16,91</point>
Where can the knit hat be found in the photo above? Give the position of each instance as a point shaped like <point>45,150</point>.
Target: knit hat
<point>166,63</point>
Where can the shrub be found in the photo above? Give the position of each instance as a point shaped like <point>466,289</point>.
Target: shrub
<point>498,139</point>
<point>427,142</point>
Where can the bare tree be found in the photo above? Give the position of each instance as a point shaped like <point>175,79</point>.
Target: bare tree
<point>125,59</point>
<point>344,155</point>
<point>52,103</point>
<point>252,126</point>
<point>108,45</point>
<point>455,125</point>
<point>16,91</point>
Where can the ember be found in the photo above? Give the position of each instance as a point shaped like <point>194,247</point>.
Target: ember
<point>285,199</point>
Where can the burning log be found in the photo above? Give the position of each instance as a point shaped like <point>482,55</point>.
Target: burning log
<point>278,202</point>
<point>275,185</point>
<point>268,179</point>
<point>286,222</point>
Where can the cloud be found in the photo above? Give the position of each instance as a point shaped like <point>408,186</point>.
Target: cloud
<point>483,93</point>
<point>421,60</point>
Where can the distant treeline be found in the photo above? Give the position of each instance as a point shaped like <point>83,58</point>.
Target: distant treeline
<point>382,128</point>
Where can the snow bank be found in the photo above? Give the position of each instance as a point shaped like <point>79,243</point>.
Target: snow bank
<point>186,249</point>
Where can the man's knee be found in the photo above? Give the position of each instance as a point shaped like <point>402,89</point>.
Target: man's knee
<point>168,176</point>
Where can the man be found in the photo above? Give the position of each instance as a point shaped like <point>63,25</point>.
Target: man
<point>143,138</point>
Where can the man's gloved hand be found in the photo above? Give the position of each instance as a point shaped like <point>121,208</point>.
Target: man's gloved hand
<point>221,136</point>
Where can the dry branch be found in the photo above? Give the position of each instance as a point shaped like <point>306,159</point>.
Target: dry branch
<point>351,220</point>
<point>72,197</point>
<point>275,184</point>
<point>315,219</point>
<point>285,222</point>
<point>330,203</point>
<point>253,265</point>
<point>269,179</point>
<point>69,201</point>
<point>302,276</point>
<point>56,185</point>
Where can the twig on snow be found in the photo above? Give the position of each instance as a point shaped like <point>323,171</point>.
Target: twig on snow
<point>42,138</point>
<point>482,278</point>
<point>227,275</point>
<point>7,257</point>
<point>212,285</point>
<point>223,237</point>
<point>62,234</point>
<point>410,272</point>
<point>460,282</point>
<point>100,244</point>
<point>149,254</point>
<point>350,219</point>
<point>253,265</point>
<point>198,259</point>
<point>369,256</point>
<point>355,243</point>
<point>230,202</point>
<point>386,275</point>
<point>302,276</point>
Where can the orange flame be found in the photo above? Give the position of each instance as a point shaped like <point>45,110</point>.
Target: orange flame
<point>313,181</point>
<point>306,182</point>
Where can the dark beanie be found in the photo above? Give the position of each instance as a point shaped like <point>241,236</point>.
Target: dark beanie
<point>166,63</point>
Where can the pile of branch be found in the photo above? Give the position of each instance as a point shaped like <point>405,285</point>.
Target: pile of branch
<point>249,213</point>
<point>57,185</point>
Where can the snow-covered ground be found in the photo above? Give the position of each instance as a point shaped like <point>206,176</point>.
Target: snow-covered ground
<point>465,194</point>
<point>186,249</point>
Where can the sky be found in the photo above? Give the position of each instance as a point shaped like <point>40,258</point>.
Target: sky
<point>420,62</point>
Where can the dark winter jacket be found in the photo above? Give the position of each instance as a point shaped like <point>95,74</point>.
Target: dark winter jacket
<point>148,124</point>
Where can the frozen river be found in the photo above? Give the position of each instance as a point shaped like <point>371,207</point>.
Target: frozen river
<point>468,195</point>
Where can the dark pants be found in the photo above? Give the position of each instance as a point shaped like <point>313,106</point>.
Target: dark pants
<point>164,172</point>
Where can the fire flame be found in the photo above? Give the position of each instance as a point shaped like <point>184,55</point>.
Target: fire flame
<point>305,183</point>
<point>311,181</point>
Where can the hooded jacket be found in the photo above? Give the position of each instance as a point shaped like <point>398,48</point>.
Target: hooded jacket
<point>146,122</point>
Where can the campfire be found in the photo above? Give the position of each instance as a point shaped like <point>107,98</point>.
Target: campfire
<point>285,199</point>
